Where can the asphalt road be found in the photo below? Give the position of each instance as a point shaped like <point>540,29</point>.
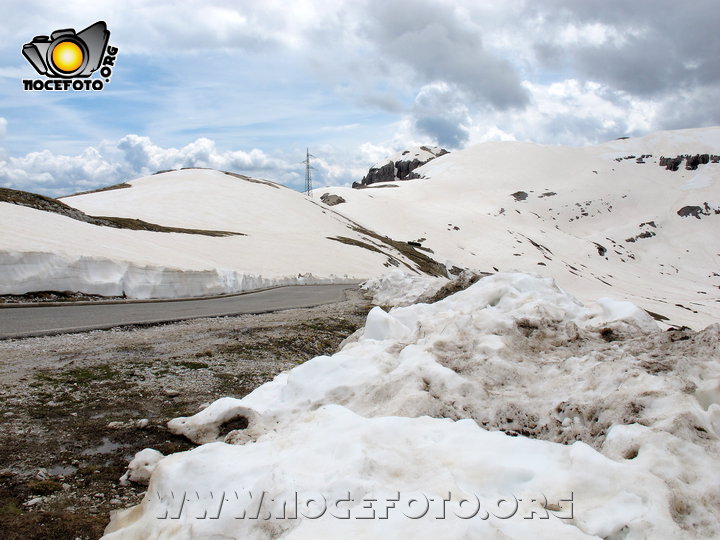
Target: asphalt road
<point>46,320</point>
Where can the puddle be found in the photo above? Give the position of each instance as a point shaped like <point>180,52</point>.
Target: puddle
<point>62,470</point>
<point>106,447</point>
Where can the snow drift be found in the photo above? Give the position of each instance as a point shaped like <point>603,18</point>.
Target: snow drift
<point>587,416</point>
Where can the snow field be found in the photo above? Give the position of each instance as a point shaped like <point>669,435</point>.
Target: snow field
<point>573,203</point>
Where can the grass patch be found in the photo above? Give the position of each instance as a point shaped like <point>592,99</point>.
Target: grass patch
<point>140,225</point>
<point>102,372</point>
<point>51,525</point>
<point>46,204</point>
<point>189,364</point>
<point>422,262</point>
<point>354,242</point>
<point>43,487</point>
<point>10,509</point>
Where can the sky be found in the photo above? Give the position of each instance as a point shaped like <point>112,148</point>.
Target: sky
<point>247,86</point>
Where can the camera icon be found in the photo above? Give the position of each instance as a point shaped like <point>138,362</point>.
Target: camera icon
<point>68,54</point>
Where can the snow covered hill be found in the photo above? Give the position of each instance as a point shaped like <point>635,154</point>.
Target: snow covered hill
<point>279,236</point>
<point>606,220</point>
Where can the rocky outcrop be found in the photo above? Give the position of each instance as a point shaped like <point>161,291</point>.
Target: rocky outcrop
<point>697,211</point>
<point>400,166</point>
<point>385,173</point>
<point>331,200</point>
<point>691,162</point>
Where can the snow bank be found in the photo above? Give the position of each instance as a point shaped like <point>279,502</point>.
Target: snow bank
<point>31,271</point>
<point>334,453</point>
<point>398,288</point>
<point>467,397</point>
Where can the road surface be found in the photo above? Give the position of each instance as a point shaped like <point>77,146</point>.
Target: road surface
<point>46,320</point>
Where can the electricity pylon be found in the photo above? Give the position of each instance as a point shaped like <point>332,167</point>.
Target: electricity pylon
<point>308,175</point>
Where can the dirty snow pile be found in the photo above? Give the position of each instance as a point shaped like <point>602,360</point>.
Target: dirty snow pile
<point>398,288</point>
<point>507,410</point>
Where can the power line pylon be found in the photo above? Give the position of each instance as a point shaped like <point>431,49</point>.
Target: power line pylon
<point>308,175</point>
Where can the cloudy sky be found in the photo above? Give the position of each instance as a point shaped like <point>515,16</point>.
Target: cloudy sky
<point>246,86</point>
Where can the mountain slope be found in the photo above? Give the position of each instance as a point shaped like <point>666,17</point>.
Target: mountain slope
<point>606,220</point>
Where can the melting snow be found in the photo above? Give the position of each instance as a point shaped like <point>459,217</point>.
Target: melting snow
<point>509,390</point>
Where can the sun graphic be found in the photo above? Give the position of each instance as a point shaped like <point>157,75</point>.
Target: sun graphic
<point>67,56</point>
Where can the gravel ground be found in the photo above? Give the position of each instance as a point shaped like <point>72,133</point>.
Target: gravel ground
<point>71,405</point>
<point>53,297</point>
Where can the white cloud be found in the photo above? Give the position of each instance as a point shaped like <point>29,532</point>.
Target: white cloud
<point>569,112</point>
<point>144,157</point>
<point>130,157</point>
<point>595,35</point>
<point>440,112</point>
<point>3,127</point>
<point>133,156</point>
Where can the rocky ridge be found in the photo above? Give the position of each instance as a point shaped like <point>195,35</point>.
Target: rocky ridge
<point>400,166</point>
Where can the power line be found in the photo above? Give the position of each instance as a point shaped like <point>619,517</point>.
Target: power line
<point>308,175</point>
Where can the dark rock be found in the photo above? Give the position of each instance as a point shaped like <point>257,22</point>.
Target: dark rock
<point>644,234</point>
<point>519,195</point>
<point>398,170</point>
<point>695,211</point>
<point>386,173</point>
<point>692,162</point>
<point>331,200</point>
<point>671,164</point>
